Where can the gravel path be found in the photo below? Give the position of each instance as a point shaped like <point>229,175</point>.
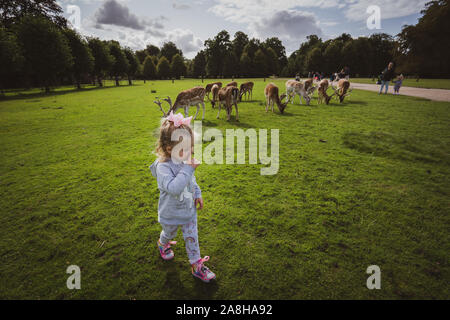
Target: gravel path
<point>432,94</point>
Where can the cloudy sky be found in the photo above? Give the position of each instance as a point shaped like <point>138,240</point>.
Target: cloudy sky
<point>188,23</point>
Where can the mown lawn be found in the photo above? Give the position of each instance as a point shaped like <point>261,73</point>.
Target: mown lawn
<point>75,189</point>
<point>422,83</point>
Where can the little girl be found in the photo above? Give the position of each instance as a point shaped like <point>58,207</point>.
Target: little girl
<point>398,84</point>
<point>179,192</point>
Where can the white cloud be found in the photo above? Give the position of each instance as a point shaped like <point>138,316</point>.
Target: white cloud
<point>185,40</point>
<point>290,26</point>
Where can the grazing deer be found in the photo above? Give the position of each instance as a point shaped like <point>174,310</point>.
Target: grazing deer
<point>232,84</point>
<point>294,88</point>
<point>228,97</point>
<point>322,92</point>
<point>272,96</point>
<point>209,87</point>
<point>343,89</point>
<point>186,99</point>
<point>215,92</point>
<point>247,89</point>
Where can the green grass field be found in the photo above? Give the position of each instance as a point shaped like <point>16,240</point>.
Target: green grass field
<point>422,83</point>
<point>76,189</point>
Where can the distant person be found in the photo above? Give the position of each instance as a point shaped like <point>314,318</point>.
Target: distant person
<point>398,84</point>
<point>386,77</point>
<point>346,72</point>
<point>179,193</point>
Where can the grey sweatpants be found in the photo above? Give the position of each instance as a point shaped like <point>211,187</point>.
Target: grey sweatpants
<point>190,235</point>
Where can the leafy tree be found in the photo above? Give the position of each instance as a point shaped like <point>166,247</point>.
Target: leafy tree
<point>216,50</point>
<point>239,42</point>
<point>424,48</point>
<point>12,11</point>
<point>230,65</point>
<point>246,65</point>
<point>153,50</point>
<point>141,55</point>
<point>133,63</point>
<point>149,70</point>
<point>280,51</point>
<point>252,46</point>
<point>272,61</point>
<point>169,50</point>
<point>83,61</point>
<point>120,65</point>
<point>163,68</point>
<point>332,56</point>
<point>199,65</point>
<point>177,67</point>
<point>260,68</point>
<point>45,49</point>
<point>11,58</point>
<point>383,45</point>
<point>314,60</point>
<point>103,60</point>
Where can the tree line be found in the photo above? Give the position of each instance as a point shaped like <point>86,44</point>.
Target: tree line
<point>37,48</point>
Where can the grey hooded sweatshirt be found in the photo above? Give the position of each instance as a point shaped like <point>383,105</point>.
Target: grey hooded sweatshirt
<point>178,189</point>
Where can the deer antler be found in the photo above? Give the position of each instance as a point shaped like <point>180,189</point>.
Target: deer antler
<point>159,103</point>
<point>168,100</point>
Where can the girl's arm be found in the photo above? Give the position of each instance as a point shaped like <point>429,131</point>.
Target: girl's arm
<point>172,184</point>
<point>197,190</point>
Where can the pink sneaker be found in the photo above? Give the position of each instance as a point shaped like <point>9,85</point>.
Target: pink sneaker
<point>199,270</point>
<point>166,251</point>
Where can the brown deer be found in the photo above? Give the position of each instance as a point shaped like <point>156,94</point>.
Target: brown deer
<point>246,89</point>
<point>322,92</point>
<point>186,99</point>
<point>209,87</point>
<point>272,96</point>
<point>228,97</point>
<point>232,84</point>
<point>309,87</point>
<point>215,94</point>
<point>294,88</point>
<point>343,89</point>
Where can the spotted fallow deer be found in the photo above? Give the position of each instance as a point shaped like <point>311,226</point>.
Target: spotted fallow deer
<point>272,96</point>
<point>209,87</point>
<point>232,84</point>
<point>228,97</point>
<point>185,100</point>
<point>215,94</point>
<point>322,92</point>
<point>343,89</point>
<point>246,89</point>
<point>294,88</point>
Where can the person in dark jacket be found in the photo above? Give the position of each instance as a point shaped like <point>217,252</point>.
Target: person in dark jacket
<point>386,76</point>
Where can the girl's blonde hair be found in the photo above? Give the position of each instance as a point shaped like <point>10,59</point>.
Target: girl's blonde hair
<point>165,143</point>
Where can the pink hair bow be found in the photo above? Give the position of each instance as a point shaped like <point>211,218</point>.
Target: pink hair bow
<point>178,119</point>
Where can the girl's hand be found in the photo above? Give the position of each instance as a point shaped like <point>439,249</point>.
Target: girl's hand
<point>193,163</point>
<point>200,202</point>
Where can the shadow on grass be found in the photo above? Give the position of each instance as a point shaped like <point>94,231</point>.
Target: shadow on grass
<point>177,290</point>
<point>42,94</point>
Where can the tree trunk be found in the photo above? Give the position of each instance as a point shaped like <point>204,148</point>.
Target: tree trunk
<point>99,80</point>
<point>117,81</point>
<point>129,81</point>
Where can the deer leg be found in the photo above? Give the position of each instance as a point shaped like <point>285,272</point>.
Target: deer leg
<point>203,107</point>
<point>229,113</point>
<point>198,109</point>
<point>267,104</point>
<point>237,114</point>
<point>218,112</point>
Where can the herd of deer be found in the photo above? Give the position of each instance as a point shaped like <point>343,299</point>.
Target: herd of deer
<point>230,95</point>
